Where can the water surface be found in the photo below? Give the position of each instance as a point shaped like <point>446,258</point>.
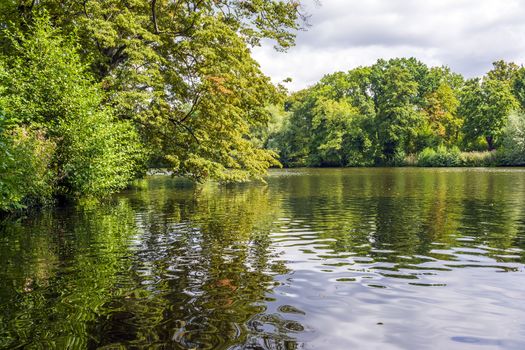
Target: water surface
<point>315,259</point>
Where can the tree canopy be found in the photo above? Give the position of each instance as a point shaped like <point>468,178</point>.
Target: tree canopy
<point>382,114</point>
<point>180,71</point>
<point>107,88</point>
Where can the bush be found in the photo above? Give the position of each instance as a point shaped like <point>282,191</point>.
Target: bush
<point>441,157</point>
<point>47,85</point>
<point>98,155</point>
<point>513,151</point>
<point>26,174</point>
<point>399,158</point>
<point>359,159</point>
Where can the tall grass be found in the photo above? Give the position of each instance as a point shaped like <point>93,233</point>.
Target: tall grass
<point>480,159</point>
<point>453,157</point>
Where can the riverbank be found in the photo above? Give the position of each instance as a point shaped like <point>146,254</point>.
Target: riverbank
<point>441,157</point>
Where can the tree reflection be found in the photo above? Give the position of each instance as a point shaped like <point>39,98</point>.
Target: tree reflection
<point>186,266</point>
<point>407,211</point>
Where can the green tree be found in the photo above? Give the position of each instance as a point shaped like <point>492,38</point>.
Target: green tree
<point>293,140</point>
<point>46,87</point>
<point>440,109</point>
<point>326,121</point>
<point>514,140</point>
<point>331,122</point>
<point>485,107</point>
<point>518,87</point>
<point>397,91</point>
<point>503,71</point>
<point>182,72</point>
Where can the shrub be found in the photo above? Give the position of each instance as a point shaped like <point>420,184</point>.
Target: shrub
<point>26,174</point>
<point>47,84</point>
<point>426,157</point>
<point>399,158</point>
<point>441,157</point>
<point>513,152</point>
<point>359,159</point>
<point>98,155</point>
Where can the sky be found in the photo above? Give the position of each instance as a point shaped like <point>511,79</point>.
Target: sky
<point>466,35</point>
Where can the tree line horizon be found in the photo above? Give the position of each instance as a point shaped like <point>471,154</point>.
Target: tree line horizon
<point>402,112</point>
<point>93,93</point>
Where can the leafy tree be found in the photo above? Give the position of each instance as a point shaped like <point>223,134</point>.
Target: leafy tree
<point>396,92</point>
<point>331,121</point>
<point>511,74</point>
<point>440,108</point>
<point>181,71</point>
<point>324,126</point>
<point>503,71</point>
<point>518,87</point>
<point>485,107</point>
<point>360,143</point>
<point>293,141</point>
<point>514,140</point>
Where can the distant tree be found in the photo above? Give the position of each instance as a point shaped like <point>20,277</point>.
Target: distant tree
<point>395,108</point>
<point>503,71</point>
<point>485,107</point>
<point>397,88</point>
<point>332,120</point>
<point>513,140</point>
<point>518,87</point>
<point>441,111</point>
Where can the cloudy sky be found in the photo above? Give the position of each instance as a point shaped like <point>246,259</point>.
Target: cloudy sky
<point>467,35</point>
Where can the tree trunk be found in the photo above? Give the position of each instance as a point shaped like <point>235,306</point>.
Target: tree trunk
<point>490,142</point>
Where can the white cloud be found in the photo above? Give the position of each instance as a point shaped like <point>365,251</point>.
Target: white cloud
<point>467,35</point>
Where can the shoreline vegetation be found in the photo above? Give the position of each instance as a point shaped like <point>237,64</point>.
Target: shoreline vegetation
<point>93,95</point>
<point>402,112</point>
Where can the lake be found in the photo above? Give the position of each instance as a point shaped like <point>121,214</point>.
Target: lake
<point>314,259</point>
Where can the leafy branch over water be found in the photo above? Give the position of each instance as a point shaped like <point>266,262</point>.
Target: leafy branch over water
<point>117,86</point>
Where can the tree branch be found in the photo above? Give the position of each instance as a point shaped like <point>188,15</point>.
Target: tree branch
<point>154,16</point>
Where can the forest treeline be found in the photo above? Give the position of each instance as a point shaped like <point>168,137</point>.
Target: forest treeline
<point>402,112</point>
<point>94,92</point>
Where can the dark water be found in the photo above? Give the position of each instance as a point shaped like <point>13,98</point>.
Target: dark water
<point>316,259</point>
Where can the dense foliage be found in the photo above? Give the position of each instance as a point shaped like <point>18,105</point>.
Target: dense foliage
<point>60,139</point>
<point>514,140</point>
<point>402,112</point>
<point>181,72</point>
<point>113,86</point>
<point>26,177</point>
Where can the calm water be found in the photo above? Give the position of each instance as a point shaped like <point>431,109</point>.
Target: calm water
<point>315,259</point>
